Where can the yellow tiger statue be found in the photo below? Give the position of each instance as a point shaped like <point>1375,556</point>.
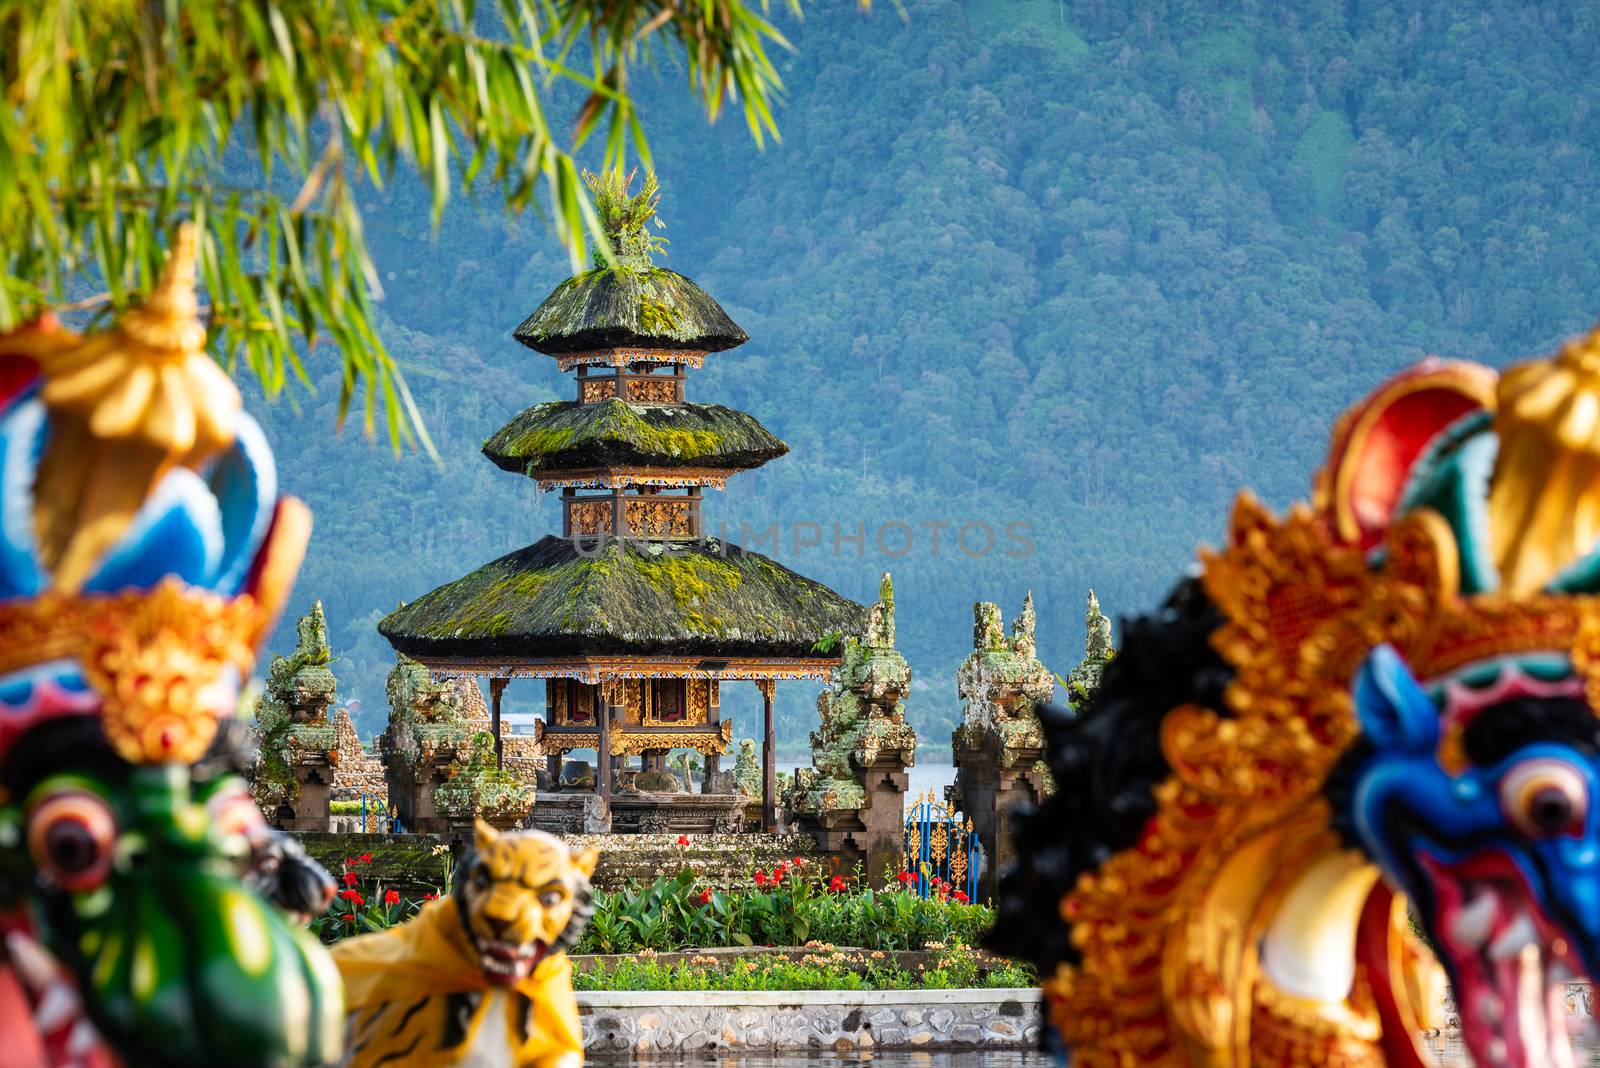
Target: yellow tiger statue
<point>481,976</point>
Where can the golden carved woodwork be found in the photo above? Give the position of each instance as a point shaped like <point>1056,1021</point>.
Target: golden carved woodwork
<point>583,708</point>
<point>768,688</point>
<point>698,705</point>
<point>589,517</point>
<point>655,706</point>
<point>626,357</point>
<point>592,390</point>
<point>1166,930</point>
<point>628,477</point>
<point>659,517</point>
<point>633,741</point>
<point>558,693</point>
<point>633,691</point>
<point>654,390</point>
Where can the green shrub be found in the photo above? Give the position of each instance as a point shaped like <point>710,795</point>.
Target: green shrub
<point>825,968</point>
<point>672,913</point>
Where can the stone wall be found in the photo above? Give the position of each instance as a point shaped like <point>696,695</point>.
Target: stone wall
<point>621,1023</point>
<point>355,772</point>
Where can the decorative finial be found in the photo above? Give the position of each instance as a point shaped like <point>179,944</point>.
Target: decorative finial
<point>626,217</point>
<point>128,405</point>
<point>1544,498</point>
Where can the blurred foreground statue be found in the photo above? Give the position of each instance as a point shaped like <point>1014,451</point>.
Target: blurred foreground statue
<point>150,916</point>
<point>482,976</point>
<point>1386,698</point>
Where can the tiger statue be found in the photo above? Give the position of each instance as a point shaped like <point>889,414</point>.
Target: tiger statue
<point>479,977</point>
<point>1376,710</point>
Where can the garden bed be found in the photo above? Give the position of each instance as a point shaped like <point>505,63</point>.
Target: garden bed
<point>813,967</point>
<point>635,1022</point>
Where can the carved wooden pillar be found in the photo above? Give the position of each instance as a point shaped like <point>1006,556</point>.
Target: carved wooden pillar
<point>769,757</point>
<point>610,691</point>
<point>497,688</point>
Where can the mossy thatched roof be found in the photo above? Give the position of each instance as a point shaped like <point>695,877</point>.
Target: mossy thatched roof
<point>616,307</point>
<point>566,436</point>
<point>687,599</point>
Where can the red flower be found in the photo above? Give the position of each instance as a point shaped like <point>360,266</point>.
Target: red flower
<point>798,862</point>
<point>349,861</point>
<point>836,884</point>
<point>365,858</point>
<point>349,916</point>
<point>683,839</point>
<point>391,898</point>
<point>779,872</point>
<point>704,898</point>
<point>961,896</point>
<point>430,897</point>
<point>761,878</point>
<point>350,878</point>
<point>906,877</point>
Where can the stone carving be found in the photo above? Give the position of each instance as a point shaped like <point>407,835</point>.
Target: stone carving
<point>853,798</point>
<point>426,741</point>
<point>479,789</point>
<point>293,775</point>
<point>1084,680</point>
<point>1000,682</point>
<point>999,746</point>
<point>747,769</point>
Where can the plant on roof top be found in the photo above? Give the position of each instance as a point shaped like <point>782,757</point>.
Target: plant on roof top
<point>626,217</point>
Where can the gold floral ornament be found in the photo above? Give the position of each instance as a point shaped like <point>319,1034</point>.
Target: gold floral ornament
<point>1544,504</point>
<point>127,405</point>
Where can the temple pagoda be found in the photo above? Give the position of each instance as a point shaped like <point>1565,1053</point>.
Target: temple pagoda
<point>632,615</point>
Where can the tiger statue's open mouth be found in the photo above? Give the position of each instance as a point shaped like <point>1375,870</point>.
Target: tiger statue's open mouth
<point>507,964</point>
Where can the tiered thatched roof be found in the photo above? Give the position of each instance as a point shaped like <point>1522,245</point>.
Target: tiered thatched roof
<point>556,598</point>
<point>566,436</point>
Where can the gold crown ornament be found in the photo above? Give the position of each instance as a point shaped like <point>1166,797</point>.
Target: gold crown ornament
<point>145,555</point>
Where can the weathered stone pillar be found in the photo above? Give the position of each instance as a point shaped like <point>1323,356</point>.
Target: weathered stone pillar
<point>853,799</point>
<point>426,741</point>
<point>999,747</point>
<point>293,777</point>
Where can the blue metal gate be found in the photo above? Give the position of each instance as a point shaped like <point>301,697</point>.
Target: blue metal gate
<point>941,849</point>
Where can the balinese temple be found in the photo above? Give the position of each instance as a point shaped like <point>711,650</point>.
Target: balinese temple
<point>634,618</point>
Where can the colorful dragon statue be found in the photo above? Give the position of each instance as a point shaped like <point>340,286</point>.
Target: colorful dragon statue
<point>1383,702</point>
<point>149,914</point>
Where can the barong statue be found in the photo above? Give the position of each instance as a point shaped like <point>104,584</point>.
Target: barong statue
<point>1376,709</point>
<point>149,915</point>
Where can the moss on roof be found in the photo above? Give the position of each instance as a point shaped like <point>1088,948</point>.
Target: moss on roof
<point>687,599</point>
<point>566,435</point>
<point>611,307</point>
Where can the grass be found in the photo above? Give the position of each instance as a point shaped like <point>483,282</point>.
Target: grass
<point>825,968</point>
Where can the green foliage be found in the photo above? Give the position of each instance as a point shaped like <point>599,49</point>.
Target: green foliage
<point>987,284</point>
<point>674,913</point>
<point>1324,151</point>
<point>825,968</point>
<point>123,117</point>
<point>625,218</point>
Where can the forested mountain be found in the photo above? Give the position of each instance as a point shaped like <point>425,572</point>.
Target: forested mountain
<point>1083,266</point>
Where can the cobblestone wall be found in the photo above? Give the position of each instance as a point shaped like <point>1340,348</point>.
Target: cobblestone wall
<point>830,1020</point>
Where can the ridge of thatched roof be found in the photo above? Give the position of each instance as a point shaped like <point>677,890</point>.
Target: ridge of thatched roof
<point>566,435</point>
<point>619,307</point>
<point>556,598</point>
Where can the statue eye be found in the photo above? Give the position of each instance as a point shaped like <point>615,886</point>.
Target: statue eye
<point>551,898</point>
<point>71,837</point>
<point>1545,797</point>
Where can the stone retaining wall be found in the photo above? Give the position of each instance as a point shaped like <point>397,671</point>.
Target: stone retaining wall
<point>654,1021</point>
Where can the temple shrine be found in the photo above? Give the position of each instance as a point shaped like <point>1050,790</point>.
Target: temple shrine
<point>632,615</point>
